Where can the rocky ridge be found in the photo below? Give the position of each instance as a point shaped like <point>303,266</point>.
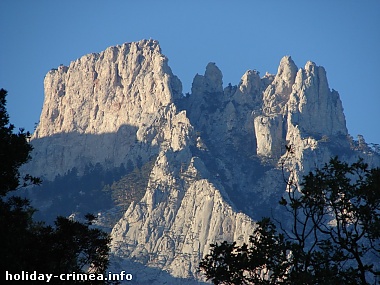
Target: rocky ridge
<point>217,152</point>
<point>130,86</point>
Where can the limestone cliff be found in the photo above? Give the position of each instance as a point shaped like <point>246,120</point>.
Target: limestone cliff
<point>98,93</point>
<point>98,108</point>
<point>216,153</point>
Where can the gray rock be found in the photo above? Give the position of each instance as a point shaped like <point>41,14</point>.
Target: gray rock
<point>219,152</point>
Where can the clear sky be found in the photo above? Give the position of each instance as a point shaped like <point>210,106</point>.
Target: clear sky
<point>343,36</point>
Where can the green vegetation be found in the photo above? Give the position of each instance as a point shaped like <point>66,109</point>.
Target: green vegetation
<point>26,245</point>
<point>132,186</point>
<point>74,193</point>
<point>330,234</point>
<point>96,190</point>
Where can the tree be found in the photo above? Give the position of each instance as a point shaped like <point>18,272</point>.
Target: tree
<point>131,187</point>
<point>341,204</point>
<point>75,247</point>
<point>263,261</point>
<point>14,151</point>
<point>332,234</point>
<point>26,245</point>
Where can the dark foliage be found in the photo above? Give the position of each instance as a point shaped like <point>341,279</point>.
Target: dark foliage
<point>332,235</point>
<point>14,151</point>
<point>73,193</point>
<point>132,186</point>
<point>265,255</point>
<point>26,245</point>
<point>66,247</point>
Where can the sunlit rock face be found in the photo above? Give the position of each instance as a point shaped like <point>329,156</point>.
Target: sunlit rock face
<point>298,100</point>
<point>216,154</point>
<point>100,92</point>
<point>103,107</point>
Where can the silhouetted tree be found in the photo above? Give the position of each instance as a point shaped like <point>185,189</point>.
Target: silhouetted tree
<point>332,236</point>
<point>263,261</point>
<point>14,151</point>
<point>25,245</point>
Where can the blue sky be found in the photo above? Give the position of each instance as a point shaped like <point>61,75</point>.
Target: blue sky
<point>342,36</point>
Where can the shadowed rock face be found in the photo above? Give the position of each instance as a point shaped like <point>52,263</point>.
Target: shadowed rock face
<point>216,152</point>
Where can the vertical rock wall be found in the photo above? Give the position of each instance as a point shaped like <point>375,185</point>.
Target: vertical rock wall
<point>218,151</point>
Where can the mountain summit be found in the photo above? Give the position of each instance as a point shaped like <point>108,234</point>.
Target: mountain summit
<point>208,164</point>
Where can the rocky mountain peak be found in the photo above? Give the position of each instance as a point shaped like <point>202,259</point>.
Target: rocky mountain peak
<point>304,101</point>
<point>278,91</point>
<point>213,78</point>
<point>211,81</point>
<point>310,66</point>
<point>287,70</point>
<point>131,79</point>
<point>213,155</point>
<point>107,96</point>
<point>313,106</point>
<point>250,82</point>
<point>285,77</point>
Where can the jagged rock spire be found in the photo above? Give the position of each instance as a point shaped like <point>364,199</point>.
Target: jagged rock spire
<point>211,81</point>
<point>208,158</point>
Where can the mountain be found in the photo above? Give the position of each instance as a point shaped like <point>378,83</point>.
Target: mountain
<point>169,174</point>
